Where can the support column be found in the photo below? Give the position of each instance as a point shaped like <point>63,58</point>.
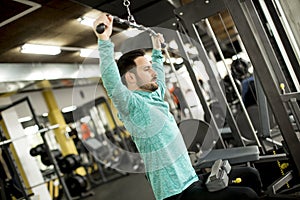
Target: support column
<point>55,117</point>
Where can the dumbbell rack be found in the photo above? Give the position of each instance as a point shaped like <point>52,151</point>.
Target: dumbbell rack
<point>56,167</point>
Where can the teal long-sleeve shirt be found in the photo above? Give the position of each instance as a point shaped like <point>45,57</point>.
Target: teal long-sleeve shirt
<point>152,127</point>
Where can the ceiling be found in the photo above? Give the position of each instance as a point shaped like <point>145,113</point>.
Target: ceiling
<point>54,22</point>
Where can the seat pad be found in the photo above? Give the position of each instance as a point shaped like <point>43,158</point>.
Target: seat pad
<point>235,155</point>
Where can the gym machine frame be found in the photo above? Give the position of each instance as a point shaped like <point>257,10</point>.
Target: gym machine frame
<point>48,151</point>
<point>190,14</point>
<point>262,57</point>
<point>264,62</point>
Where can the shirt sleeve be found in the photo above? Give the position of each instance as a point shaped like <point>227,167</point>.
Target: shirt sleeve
<point>116,90</point>
<point>157,64</point>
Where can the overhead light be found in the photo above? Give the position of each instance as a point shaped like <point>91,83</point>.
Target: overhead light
<point>179,61</point>
<point>40,49</point>
<point>68,129</point>
<point>173,60</point>
<point>86,21</point>
<point>69,109</point>
<point>148,57</point>
<point>173,44</point>
<point>25,119</point>
<point>89,53</point>
<point>31,129</point>
<point>85,119</point>
<point>117,55</point>
<point>190,49</point>
<point>131,32</point>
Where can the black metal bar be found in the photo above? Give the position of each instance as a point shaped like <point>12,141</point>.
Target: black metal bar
<point>14,104</point>
<point>56,168</point>
<point>280,182</point>
<point>197,10</point>
<point>264,16</point>
<point>288,96</point>
<point>2,190</point>
<point>287,45</point>
<point>264,122</point>
<point>220,94</point>
<point>101,27</point>
<point>14,167</point>
<point>207,112</point>
<point>51,157</point>
<point>213,125</point>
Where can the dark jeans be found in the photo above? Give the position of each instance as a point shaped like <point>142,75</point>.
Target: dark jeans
<point>248,189</point>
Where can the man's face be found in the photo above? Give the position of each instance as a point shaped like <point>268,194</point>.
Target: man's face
<point>145,75</point>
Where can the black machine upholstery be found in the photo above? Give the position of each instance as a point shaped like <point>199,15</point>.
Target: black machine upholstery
<point>194,132</point>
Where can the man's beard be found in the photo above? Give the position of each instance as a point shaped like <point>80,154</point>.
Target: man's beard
<point>149,86</point>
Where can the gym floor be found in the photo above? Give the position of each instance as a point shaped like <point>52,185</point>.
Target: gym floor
<point>131,187</point>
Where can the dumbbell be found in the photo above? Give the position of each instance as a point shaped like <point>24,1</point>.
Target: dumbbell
<point>69,163</point>
<point>76,184</point>
<point>38,150</point>
<point>45,158</point>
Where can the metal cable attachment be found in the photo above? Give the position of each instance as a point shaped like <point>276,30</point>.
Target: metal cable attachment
<point>130,17</point>
<point>126,3</point>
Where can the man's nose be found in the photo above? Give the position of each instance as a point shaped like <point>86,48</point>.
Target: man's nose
<point>154,73</point>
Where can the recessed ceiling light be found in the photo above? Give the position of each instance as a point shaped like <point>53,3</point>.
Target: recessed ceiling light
<point>25,119</point>
<point>86,21</point>
<point>90,53</point>
<point>40,49</point>
<point>69,109</point>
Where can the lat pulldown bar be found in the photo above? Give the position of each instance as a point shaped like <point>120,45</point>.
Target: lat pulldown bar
<point>101,27</point>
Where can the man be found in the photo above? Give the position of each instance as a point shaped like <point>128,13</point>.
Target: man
<point>136,87</point>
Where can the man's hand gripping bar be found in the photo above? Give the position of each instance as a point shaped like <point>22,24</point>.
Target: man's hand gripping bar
<point>101,27</point>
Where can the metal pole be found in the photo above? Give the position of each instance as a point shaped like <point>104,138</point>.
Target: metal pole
<point>263,109</point>
<point>232,81</point>
<point>214,132</point>
<point>219,92</point>
<point>174,71</point>
<point>51,157</point>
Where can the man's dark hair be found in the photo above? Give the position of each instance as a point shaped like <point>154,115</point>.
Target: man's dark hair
<point>126,62</point>
<point>240,69</point>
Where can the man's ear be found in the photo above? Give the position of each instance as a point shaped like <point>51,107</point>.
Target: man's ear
<point>130,77</point>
